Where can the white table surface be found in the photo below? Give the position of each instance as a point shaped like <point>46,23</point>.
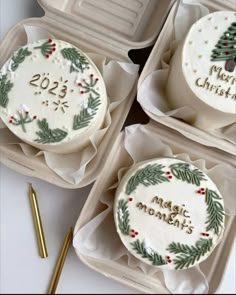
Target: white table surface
<point>21,268</point>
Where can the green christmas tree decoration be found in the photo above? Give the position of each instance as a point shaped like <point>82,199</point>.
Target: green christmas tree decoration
<point>150,175</point>
<point>47,48</point>
<point>47,135</point>
<point>123,217</point>
<point>188,255</point>
<point>19,58</point>
<point>225,49</point>
<point>148,253</point>
<point>5,87</point>
<point>78,61</point>
<point>22,119</point>
<point>86,114</point>
<point>183,172</point>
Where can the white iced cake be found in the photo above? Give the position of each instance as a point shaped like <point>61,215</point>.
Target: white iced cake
<point>52,96</point>
<point>168,213</point>
<point>203,71</point>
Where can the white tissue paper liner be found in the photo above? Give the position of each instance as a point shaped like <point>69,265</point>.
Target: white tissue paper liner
<point>151,93</point>
<point>119,78</point>
<point>99,239</point>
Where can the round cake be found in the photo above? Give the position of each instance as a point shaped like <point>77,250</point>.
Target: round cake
<point>202,71</point>
<point>52,96</point>
<point>168,213</point>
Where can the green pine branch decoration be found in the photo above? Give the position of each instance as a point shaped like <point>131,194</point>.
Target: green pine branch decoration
<point>123,217</point>
<point>22,120</point>
<point>188,255</point>
<point>89,86</point>
<point>47,135</point>
<point>86,114</point>
<point>47,48</point>
<point>148,253</point>
<point>78,61</point>
<point>215,211</point>
<point>150,175</point>
<point>19,57</point>
<point>5,87</point>
<point>183,172</point>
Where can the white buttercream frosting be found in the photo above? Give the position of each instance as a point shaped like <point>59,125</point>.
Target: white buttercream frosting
<point>54,84</point>
<point>164,201</point>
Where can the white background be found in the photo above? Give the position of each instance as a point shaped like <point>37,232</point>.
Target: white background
<point>21,268</point>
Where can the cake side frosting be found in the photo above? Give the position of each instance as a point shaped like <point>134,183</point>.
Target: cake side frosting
<point>168,213</point>
<point>52,95</point>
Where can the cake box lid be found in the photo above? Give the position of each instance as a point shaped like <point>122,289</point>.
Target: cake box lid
<point>219,4</point>
<point>124,25</point>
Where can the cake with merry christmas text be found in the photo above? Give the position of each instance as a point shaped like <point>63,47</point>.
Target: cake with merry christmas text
<point>168,213</point>
<point>52,96</point>
<point>202,73</point>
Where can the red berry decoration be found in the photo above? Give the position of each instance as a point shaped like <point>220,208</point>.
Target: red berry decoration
<point>133,233</point>
<point>169,176</point>
<point>10,121</point>
<point>47,55</point>
<point>168,172</point>
<point>168,257</point>
<point>91,75</point>
<point>96,79</point>
<point>26,112</point>
<point>54,44</point>
<point>12,117</point>
<point>201,191</point>
<point>79,84</point>
<point>82,92</point>
<point>205,234</point>
<point>34,117</point>
<point>49,40</point>
<point>226,44</point>
<point>54,49</point>
<point>130,199</point>
<point>227,52</point>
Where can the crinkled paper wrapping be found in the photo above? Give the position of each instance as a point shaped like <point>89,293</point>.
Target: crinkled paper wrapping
<point>151,93</point>
<point>119,78</point>
<point>99,239</point>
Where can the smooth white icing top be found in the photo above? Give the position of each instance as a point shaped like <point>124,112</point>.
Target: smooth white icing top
<point>197,63</point>
<point>53,83</point>
<point>155,233</point>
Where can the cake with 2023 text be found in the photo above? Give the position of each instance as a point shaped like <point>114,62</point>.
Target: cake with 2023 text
<point>202,71</point>
<point>168,213</point>
<point>52,96</point>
